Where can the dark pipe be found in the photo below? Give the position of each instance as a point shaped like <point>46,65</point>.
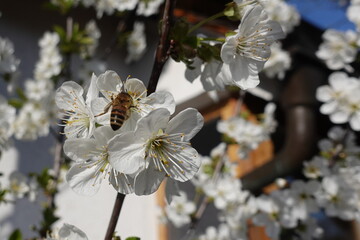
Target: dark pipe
<point>300,107</point>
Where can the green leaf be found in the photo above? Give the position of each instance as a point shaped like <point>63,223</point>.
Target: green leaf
<point>16,235</point>
<point>21,94</point>
<point>16,103</point>
<point>132,238</point>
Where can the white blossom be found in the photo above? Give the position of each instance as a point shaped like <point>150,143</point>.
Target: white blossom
<point>211,233</point>
<point>337,199</point>
<point>68,232</point>
<point>247,51</point>
<point>93,33</point>
<point>352,13</point>
<point>278,63</point>
<point>49,64</point>
<point>158,148</point>
<point>338,49</point>
<point>79,120</point>
<point>8,62</point>
<point>148,7</point>
<point>136,43</point>
<point>91,165</point>
<point>18,185</point>
<point>317,167</point>
<point>7,117</point>
<point>180,209</point>
<point>342,102</point>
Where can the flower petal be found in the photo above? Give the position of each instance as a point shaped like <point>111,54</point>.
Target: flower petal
<point>121,182</point>
<point>135,87</point>
<point>109,84</point>
<point>160,99</point>
<point>148,180</point>
<point>84,178</point>
<point>79,149</point>
<point>151,123</point>
<point>126,153</point>
<point>188,122</point>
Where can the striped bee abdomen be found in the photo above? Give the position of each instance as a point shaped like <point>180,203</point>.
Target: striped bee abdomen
<point>117,118</point>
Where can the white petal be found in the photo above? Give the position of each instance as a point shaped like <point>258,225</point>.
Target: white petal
<point>103,134</point>
<point>355,121</point>
<point>339,117</point>
<point>171,190</point>
<point>67,94</point>
<point>151,123</point>
<point>122,183</point>
<point>183,164</point>
<point>93,91</point>
<point>126,153</point>
<point>148,180</point>
<point>228,50</point>
<point>324,93</point>
<point>188,122</point>
<point>135,87</point>
<point>83,178</point>
<point>161,100</point>
<point>71,232</point>
<point>79,149</point>
<point>109,84</point>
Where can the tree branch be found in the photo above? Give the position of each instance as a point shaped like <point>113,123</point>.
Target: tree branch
<point>162,54</point>
<point>162,51</point>
<point>114,216</point>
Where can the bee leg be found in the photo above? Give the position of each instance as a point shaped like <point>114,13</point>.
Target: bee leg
<point>106,109</point>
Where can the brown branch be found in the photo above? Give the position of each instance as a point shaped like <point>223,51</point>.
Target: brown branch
<point>162,51</point>
<point>114,216</point>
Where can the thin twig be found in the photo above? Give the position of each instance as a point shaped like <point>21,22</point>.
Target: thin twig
<point>162,51</point>
<point>114,216</point>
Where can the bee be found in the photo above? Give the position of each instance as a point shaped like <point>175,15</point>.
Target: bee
<point>120,110</point>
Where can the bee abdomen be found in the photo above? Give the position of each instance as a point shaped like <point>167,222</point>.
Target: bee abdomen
<point>117,118</point>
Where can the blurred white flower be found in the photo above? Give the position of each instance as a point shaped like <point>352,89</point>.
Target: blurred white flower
<point>7,117</point>
<point>211,233</point>
<point>338,49</point>
<point>18,185</point>
<point>68,232</point>
<point>92,32</point>
<point>247,51</point>
<point>180,210</point>
<point>8,62</point>
<point>92,164</point>
<point>342,102</point>
<point>317,167</point>
<point>352,13</point>
<point>282,12</point>
<point>148,7</point>
<point>158,148</point>
<point>136,43</point>
<point>278,63</point>
<point>49,64</point>
<point>223,190</point>
<point>337,199</point>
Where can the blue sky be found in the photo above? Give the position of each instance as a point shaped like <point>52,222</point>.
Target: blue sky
<point>323,13</point>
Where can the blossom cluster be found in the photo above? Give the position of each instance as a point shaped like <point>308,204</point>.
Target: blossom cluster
<point>248,134</point>
<point>143,7</point>
<point>37,113</point>
<point>119,131</point>
<point>243,53</point>
<point>332,185</point>
<point>8,62</point>
<point>342,101</point>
